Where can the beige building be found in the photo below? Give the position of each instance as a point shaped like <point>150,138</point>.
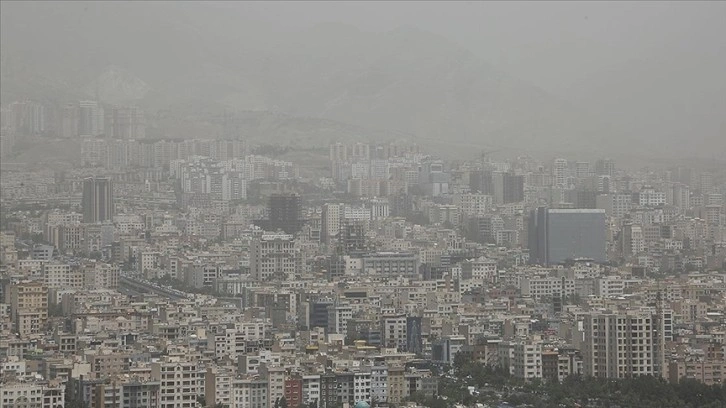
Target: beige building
<point>181,382</point>
<point>707,371</point>
<point>29,307</point>
<point>397,389</point>
<point>273,256</point>
<point>32,394</point>
<point>106,363</point>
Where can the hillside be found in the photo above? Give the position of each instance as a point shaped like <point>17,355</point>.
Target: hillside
<point>404,81</point>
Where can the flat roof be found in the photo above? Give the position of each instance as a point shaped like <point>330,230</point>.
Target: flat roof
<point>576,211</point>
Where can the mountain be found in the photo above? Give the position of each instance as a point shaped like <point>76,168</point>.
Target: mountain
<point>117,86</point>
<point>195,60</point>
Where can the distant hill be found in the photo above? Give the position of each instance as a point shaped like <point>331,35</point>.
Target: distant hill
<point>405,81</point>
<point>117,86</point>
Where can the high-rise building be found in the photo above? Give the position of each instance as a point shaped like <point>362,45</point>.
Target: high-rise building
<point>182,381</point>
<point>69,119</point>
<point>626,344</point>
<point>508,188</point>
<point>338,152</point>
<point>273,256</point>
<point>29,307</point>
<point>414,340</point>
<point>353,236</point>
<point>285,213</point>
<point>558,235</point>
<point>360,151</point>
<point>480,181</point>
<point>330,221</point>
<point>614,204</point>
<point>27,118</point>
<point>125,122</point>
<point>318,312</point>
<point>583,198</point>
<point>90,119</point>
<point>560,172</point>
<point>605,167</point>
<point>380,208</point>
<point>526,361</point>
<point>582,169</point>
<point>7,141</point>
<point>632,239</point>
<point>97,200</point>
<point>393,330</point>
<point>338,316</point>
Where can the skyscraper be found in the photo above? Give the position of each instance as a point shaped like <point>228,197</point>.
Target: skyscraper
<point>97,200</point>
<point>284,213</point>
<point>560,172</point>
<point>508,188</point>
<point>28,117</point>
<point>69,119</point>
<point>330,221</point>
<point>125,122</point>
<point>90,119</point>
<point>618,345</point>
<point>481,181</point>
<point>626,344</point>
<point>605,167</point>
<point>558,235</point>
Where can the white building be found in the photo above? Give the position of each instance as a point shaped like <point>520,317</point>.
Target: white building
<point>393,331</point>
<point>249,393</point>
<point>338,316</point>
<point>560,172</point>
<point>481,269</point>
<point>148,261</point>
<point>473,205</point>
<point>273,256</point>
<point>618,345</point>
<point>607,286</point>
<point>310,388</point>
<point>330,220</point>
<point>379,209</point>
<point>362,385</point>
<point>540,288</point>
<point>649,197</point>
<point>527,360</point>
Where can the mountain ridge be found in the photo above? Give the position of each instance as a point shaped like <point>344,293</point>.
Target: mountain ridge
<point>406,81</point>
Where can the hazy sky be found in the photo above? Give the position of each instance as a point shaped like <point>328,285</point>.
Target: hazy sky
<point>556,45</point>
<point>656,70</point>
<point>657,67</point>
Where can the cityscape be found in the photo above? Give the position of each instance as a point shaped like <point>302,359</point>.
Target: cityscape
<point>236,270</point>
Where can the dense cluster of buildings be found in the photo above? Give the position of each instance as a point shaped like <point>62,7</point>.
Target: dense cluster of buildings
<point>193,273</point>
<point>72,120</point>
